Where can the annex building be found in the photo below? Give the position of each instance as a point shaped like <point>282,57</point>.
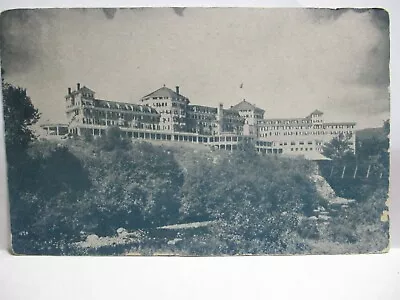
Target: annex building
<point>166,114</point>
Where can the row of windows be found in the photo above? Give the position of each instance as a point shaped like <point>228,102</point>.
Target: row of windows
<point>272,128</point>
<point>271,151</point>
<point>120,116</point>
<point>302,143</point>
<point>174,104</point>
<point>301,149</point>
<point>268,128</point>
<point>115,123</point>
<point>251,116</point>
<point>292,143</point>
<point>120,120</point>
<point>225,139</point>
<point>89,96</point>
<point>264,144</point>
<point>118,107</point>
<point>277,133</point>
<point>206,124</point>
<point>169,112</point>
<point>160,104</point>
<point>301,121</point>
<point>200,117</point>
<point>305,121</point>
<point>204,110</point>
<point>234,120</point>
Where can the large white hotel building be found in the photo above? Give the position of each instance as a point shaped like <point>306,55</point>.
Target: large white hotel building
<point>167,115</point>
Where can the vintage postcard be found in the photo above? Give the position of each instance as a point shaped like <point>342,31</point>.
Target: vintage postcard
<point>196,131</point>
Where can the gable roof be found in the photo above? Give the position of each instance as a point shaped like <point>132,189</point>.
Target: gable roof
<point>316,112</point>
<point>166,92</point>
<point>244,105</point>
<point>86,90</point>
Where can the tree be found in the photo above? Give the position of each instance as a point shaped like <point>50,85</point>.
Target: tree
<point>384,156</point>
<point>339,148</point>
<point>386,127</point>
<point>246,145</point>
<point>113,139</point>
<point>19,115</point>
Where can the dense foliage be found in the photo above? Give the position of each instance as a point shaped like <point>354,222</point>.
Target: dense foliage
<point>256,199</point>
<point>339,148</point>
<point>358,176</point>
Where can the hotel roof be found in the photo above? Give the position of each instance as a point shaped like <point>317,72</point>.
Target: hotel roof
<point>316,112</point>
<point>166,92</point>
<point>83,89</point>
<point>244,105</point>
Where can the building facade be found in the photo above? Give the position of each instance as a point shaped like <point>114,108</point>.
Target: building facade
<point>301,135</point>
<point>168,115</point>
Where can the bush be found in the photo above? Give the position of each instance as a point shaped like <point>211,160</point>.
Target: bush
<point>81,187</point>
<point>256,199</point>
<point>44,202</point>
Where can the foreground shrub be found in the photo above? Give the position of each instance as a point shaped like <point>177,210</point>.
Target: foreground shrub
<point>79,187</point>
<point>256,199</point>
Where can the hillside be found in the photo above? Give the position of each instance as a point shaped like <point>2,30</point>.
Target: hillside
<point>82,189</point>
<point>370,133</point>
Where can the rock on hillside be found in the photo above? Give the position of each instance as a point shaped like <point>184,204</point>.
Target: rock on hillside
<point>326,191</point>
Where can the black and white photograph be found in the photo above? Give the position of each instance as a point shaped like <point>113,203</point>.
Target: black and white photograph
<point>197,131</point>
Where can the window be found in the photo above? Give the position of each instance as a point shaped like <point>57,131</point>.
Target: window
<point>292,143</point>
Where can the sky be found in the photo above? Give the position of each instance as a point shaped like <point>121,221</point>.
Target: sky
<point>288,61</point>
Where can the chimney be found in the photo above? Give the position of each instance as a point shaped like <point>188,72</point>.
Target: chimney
<point>78,86</point>
<point>69,91</point>
<point>177,89</point>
